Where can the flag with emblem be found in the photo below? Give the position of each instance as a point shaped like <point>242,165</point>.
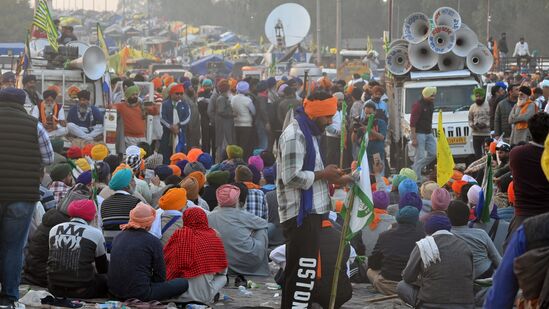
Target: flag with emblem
<point>362,212</point>
<point>42,19</point>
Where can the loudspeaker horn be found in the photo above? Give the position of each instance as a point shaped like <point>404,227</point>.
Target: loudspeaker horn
<point>450,62</point>
<point>416,28</point>
<point>446,16</point>
<point>398,42</point>
<point>93,63</point>
<point>422,56</point>
<point>397,61</point>
<point>442,39</point>
<point>466,40</point>
<point>480,59</point>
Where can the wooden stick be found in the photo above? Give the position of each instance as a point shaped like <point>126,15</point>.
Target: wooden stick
<point>381,298</point>
<point>339,259</point>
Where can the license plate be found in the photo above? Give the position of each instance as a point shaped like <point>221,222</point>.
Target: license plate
<point>456,140</point>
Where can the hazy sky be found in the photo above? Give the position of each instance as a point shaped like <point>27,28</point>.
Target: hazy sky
<point>87,4</point>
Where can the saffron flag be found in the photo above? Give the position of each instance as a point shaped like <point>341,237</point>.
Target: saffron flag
<point>42,19</point>
<point>445,160</point>
<point>485,202</point>
<point>362,212</point>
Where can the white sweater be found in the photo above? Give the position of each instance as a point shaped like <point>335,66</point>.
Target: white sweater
<point>243,110</point>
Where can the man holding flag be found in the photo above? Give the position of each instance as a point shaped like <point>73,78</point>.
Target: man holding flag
<point>421,121</point>
<point>302,192</point>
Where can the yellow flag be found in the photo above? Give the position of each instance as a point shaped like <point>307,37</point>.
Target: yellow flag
<point>545,159</point>
<point>445,160</point>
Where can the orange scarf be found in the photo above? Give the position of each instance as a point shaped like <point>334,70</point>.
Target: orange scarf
<point>251,185</point>
<point>377,217</point>
<point>43,114</point>
<point>524,124</point>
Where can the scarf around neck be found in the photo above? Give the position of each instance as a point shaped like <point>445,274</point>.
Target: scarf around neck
<point>310,130</point>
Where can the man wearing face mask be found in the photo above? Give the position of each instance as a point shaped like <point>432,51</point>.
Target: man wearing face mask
<point>479,120</point>
<point>84,120</point>
<point>519,116</point>
<point>133,116</point>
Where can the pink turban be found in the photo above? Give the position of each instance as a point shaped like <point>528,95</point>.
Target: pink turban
<point>227,195</point>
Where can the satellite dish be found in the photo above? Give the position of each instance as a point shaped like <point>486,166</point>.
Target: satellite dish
<point>287,25</point>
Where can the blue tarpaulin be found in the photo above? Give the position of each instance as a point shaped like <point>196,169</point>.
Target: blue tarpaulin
<point>12,48</point>
<point>211,64</point>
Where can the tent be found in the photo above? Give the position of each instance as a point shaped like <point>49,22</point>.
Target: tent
<point>229,37</point>
<point>211,64</point>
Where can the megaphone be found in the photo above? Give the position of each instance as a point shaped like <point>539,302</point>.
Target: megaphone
<point>397,61</point>
<point>450,62</point>
<point>446,16</point>
<point>416,28</point>
<point>422,56</point>
<point>93,63</point>
<point>442,39</point>
<point>398,42</point>
<point>480,59</point>
<point>466,40</point>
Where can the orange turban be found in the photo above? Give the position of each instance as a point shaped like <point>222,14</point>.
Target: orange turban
<point>177,89</point>
<point>200,178</point>
<point>157,83</point>
<point>86,151</point>
<point>55,88</point>
<point>511,193</point>
<point>121,167</point>
<point>320,108</point>
<point>325,83</point>
<point>457,185</point>
<point>175,169</point>
<point>167,79</point>
<point>493,146</point>
<point>191,185</point>
<point>141,217</point>
<point>232,84</point>
<point>176,157</point>
<point>193,154</point>
<point>174,199</point>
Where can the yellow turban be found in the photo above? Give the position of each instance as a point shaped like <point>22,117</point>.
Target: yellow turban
<point>429,91</point>
<point>83,164</point>
<point>99,152</point>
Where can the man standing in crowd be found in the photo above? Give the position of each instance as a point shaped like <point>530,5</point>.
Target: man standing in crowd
<point>84,120</point>
<point>501,117</point>
<point>421,122</point>
<point>19,185</point>
<point>302,190</point>
<point>175,116</point>
<point>499,93</point>
<point>133,116</point>
<point>479,121</point>
<point>502,45</point>
<point>522,52</point>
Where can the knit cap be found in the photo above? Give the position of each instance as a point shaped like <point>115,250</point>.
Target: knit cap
<point>60,171</point>
<point>83,209</point>
<point>99,152</point>
<point>381,199</point>
<point>173,199</point>
<point>227,195</point>
<point>243,174</point>
<point>440,199</point>
<point>437,222</point>
<point>406,186</point>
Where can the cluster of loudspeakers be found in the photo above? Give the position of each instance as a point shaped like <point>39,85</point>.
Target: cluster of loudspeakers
<point>449,45</point>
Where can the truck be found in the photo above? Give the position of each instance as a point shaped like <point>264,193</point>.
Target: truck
<point>454,90</point>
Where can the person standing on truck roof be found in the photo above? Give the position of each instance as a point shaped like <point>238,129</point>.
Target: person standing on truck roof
<point>29,85</point>
<point>479,120</point>
<point>421,122</point>
<point>84,120</point>
<point>501,117</point>
<point>51,115</point>
<point>67,35</point>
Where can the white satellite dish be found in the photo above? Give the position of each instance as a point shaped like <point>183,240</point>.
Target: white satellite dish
<point>287,25</point>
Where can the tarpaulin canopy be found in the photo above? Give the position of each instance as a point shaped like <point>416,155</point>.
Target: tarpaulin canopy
<point>211,64</point>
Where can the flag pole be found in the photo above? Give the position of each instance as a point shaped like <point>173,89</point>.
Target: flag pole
<point>339,259</point>
<point>343,132</point>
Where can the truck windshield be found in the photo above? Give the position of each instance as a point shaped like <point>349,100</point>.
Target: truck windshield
<point>449,98</point>
<point>71,90</point>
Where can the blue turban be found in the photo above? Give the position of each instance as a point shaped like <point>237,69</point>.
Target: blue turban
<point>269,173</point>
<point>11,94</point>
<point>407,214</point>
<point>406,186</point>
<point>437,222</point>
<point>85,178</point>
<point>163,171</point>
<point>206,160</point>
<point>271,81</point>
<point>121,179</point>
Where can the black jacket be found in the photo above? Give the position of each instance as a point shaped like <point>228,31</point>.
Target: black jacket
<point>393,249</point>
